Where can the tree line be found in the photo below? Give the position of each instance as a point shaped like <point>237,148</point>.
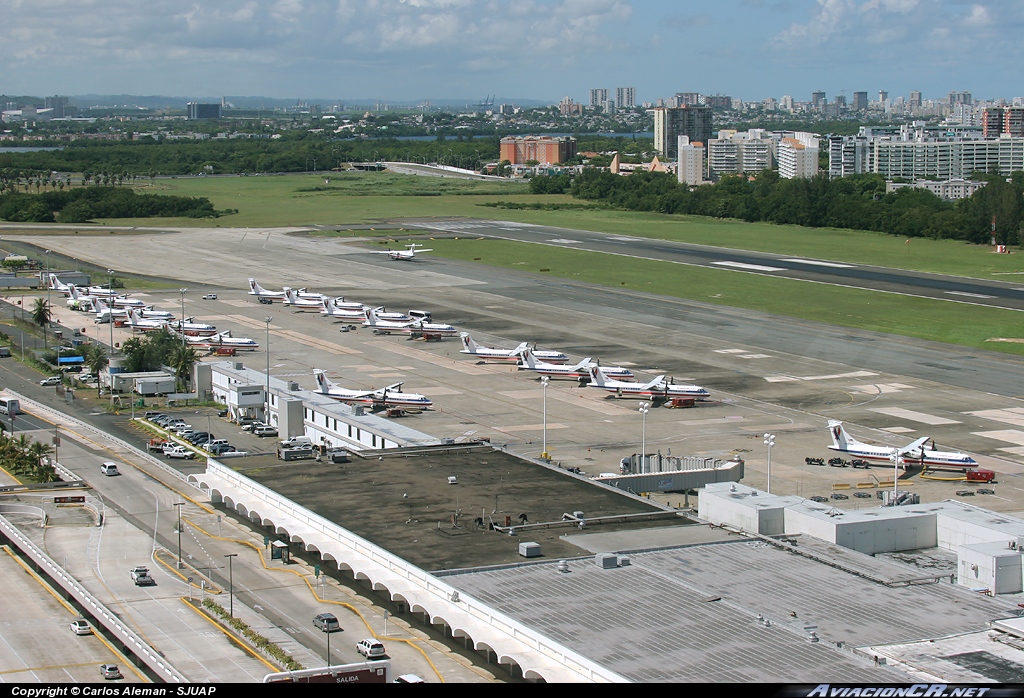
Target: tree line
<point>859,202</point>
<point>83,204</point>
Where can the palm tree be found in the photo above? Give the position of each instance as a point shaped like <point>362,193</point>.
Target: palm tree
<point>182,360</point>
<point>42,470</point>
<point>41,315</point>
<point>96,359</point>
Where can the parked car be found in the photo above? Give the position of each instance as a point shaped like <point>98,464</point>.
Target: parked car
<point>408,678</point>
<point>370,648</point>
<point>81,627</point>
<point>264,430</point>
<point>110,671</point>
<point>51,380</point>
<point>218,449</point>
<point>195,436</point>
<point>327,622</point>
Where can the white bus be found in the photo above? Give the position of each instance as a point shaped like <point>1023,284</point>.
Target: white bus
<point>10,405</point>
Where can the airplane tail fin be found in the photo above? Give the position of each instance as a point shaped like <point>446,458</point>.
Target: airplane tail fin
<point>840,439</point>
<point>528,359</point>
<point>322,382</point>
<point>596,376</point>
<point>371,316</point>
<point>467,342</point>
<point>289,296</point>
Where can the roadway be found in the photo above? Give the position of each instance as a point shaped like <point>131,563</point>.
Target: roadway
<point>140,528</point>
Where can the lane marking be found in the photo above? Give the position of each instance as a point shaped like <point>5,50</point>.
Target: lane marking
<point>730,351</point>
<point>566,241</point>
<point>913,416</point>
<point>749,267</point>
<point>968,295</point>
<point>817,263</point>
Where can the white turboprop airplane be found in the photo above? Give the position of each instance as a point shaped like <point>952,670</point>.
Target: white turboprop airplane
<point>915,452</point>
<point>408,254</point>
<point>488,354</point>
<point>427,329</point>
<point>140,324</point>
<point>657,389</point>
<point>223,339</point>
<point>383,397</point>
<point>292,298</point>
<point>580,370</point>
<point>193,329</point>
<point>330,308</point>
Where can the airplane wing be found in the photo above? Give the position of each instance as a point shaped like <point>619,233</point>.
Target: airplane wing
<point>915,446</point>
<point>395,387</point>
<point>654,383</point>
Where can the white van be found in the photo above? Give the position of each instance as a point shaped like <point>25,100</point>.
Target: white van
<point>109,468</point>
<point>297,441</point>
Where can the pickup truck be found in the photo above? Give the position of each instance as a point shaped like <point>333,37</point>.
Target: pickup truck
<point>174,451</point>
<point>140,575</point>
<point>156,445</point>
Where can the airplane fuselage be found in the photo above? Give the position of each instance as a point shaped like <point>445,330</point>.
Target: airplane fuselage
<point>916,457</point>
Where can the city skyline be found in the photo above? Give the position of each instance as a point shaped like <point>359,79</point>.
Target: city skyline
<point>403,51</point>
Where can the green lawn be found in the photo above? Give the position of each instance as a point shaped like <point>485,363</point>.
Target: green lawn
<point>374,197</point>
<point>943,321</point>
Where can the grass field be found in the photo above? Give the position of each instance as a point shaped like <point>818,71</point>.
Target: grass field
<point>368,198</point>
<point>279,201</point>
<point>943,321</point>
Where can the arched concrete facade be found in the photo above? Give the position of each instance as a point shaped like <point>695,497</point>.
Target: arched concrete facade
<point>509,642</point>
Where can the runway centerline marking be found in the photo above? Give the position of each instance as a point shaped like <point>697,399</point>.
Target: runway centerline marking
<point>968,295</point>
<point>749,267</point>
<point>815,262</point>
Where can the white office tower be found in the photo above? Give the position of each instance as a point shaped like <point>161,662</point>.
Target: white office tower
<point>690,165</point>
<point>625,97</point>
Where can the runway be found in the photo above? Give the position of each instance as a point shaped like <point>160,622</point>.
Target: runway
<point>995,294</point>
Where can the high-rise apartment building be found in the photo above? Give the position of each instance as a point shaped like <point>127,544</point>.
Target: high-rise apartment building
<point>849,155</point>
<point>798,156</point>
<point>597,96</point>
<point>735,153</point>
<point>669,124</point>
<point>883,96</point>
<point>860,101</point>
<point>959,98</point>
<point>688,99</point>
<point>690,163</point>
<point>547,150</point>
<point>996,121</point>
<point>625,97</point>
<point>914,102</point>
<point>818,100</point>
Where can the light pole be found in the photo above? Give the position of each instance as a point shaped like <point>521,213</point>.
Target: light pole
<point>644,408</point>
<point>110,317</point>
<point>47,284</point>
<point>328,646</point>
<point>177,505</point>
<point>231,586</point>
<point>182,325</point>
<point>895,458</point>
<point>544,380</point>
<point>769,441</point>
<point>266,412</point>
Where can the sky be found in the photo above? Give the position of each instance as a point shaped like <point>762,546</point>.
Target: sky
<point>411,50</point>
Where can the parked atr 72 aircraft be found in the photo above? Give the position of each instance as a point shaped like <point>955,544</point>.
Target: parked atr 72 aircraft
<point>427,329</point>
<point>223,339</point>
<point>331,308</point>
<point>384,397</point>
<point>580,370</point>
<point>915,452</point>
<point>488,354</point>
<point>657,389</point>
<point>407,254</point>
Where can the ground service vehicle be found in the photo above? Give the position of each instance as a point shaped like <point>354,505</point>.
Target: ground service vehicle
<point>140,575</point>
<point>10,405</point>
